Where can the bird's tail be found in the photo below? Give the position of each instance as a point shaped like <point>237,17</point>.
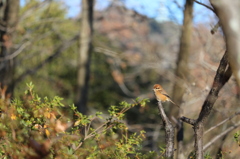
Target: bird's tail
<point>174,103</point>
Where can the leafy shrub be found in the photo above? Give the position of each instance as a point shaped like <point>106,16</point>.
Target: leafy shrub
<point>44,128</point>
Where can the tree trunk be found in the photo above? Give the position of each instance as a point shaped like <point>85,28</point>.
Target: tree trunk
<point>83,71</point>
<point>8,22</point>
<point>182,70</point>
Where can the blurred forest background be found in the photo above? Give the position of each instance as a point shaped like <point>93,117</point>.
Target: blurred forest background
<point>131,51</point>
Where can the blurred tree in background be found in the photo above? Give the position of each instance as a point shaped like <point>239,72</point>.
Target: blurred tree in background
<point>85,49</point>
<point>131,53</point>
<point>9,19</point>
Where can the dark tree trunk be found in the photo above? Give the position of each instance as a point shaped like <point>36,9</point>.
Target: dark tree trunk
<point>83,71</point>
<point>9,18</point>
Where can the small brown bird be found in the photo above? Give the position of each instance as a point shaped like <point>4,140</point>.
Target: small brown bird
<point>161,94</point>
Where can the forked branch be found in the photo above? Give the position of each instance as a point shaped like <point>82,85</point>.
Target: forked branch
<point>223,74</point>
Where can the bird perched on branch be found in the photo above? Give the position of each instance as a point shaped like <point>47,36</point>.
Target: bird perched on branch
<point>161,95</point>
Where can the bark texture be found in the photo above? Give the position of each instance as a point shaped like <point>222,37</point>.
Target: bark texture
<point>169,132</point>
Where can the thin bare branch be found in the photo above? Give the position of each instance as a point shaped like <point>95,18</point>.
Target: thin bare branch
<point>208,7</point>
<point>178,5</point>
<point>16,53</point>
<point>107,52</point>
<point>224,121</point>
<point>216,138</point>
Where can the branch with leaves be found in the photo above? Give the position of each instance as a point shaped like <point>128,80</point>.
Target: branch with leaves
<point>117,113</point>
<point>43,127</point>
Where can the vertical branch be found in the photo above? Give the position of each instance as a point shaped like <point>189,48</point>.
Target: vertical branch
<point>169,132</point>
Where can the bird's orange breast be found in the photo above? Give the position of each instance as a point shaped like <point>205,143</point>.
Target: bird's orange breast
<point>161,97</point>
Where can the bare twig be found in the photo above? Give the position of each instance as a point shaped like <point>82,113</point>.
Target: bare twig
<point>224,121</point>
<point>178,5</point>
<point>216,138</point>
<point>16,53</point>
<point>116,71</point>
<point>107,52</point>
<point>208,7</point>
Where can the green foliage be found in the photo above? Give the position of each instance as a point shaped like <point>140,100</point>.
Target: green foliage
<point>236,137</point>
<point>207,156</point>
<point>42,32</point>
<point>39,127</point>
<point>162,151</point>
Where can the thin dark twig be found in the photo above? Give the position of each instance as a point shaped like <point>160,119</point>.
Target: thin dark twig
<point>208,7</point>
<point>178,5</point>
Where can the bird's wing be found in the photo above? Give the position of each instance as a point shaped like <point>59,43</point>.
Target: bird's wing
<point>166,95</point>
